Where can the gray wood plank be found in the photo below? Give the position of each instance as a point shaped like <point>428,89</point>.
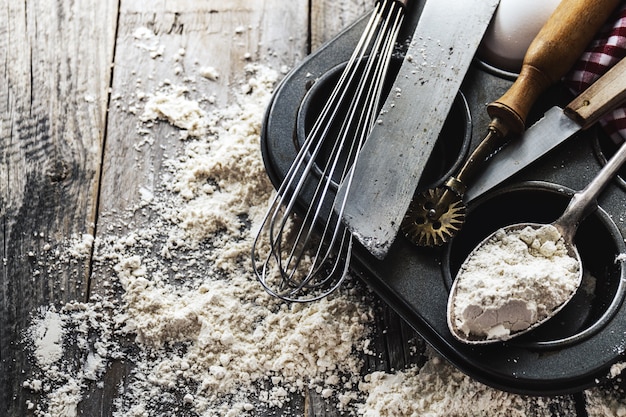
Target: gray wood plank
<point>329,17</point>
<point>56,59</point>
<point>188,35</point>
<point>207,32</point>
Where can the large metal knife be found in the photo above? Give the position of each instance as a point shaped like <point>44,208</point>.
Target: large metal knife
<point>556,126</point>
<point>383,179</point>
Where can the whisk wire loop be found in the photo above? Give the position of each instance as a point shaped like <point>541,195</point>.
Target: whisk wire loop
<point>302,250</point>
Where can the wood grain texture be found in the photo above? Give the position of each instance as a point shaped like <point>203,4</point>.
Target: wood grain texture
<point>168,43</point>
<point>222,36</point>
<point>329,17</point>
<point>558,45</point>
<point>603,95</point>
<point>56,59</point>
<point>212,33</point>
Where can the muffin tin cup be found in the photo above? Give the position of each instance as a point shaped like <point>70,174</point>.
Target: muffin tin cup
<point>447,156</point>
<point>498,72</point>
<point>599,242</point>
<point>604,148</point>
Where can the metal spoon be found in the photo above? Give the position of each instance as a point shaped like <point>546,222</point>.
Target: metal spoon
<point>579,207</point>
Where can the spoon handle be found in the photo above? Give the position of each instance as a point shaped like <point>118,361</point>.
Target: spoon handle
<point>581,203</point>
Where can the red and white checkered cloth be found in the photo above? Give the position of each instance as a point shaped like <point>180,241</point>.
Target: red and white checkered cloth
<point>605,50</point>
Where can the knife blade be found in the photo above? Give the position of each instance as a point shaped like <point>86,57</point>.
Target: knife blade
<point>381,183</point>
<point>556,126</point>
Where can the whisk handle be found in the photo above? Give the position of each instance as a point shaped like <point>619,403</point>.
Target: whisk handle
<point>555,49</point>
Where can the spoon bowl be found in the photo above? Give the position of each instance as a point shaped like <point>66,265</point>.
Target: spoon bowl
<point>537,287</point>
<point>512,312</point>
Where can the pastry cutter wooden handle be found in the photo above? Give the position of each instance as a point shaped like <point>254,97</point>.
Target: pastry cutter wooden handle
<point>436,215</point>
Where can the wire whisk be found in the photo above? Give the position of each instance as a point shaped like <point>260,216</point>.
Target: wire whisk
<point>302,250</point>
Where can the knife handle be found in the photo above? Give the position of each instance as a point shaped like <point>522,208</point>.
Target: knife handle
<point>603,95</point>
<point>555,49</point>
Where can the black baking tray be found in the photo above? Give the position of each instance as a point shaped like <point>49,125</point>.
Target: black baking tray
<point>571,352</point>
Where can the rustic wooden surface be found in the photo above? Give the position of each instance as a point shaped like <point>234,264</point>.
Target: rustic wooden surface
<point>63,149</point>
<point>56,60</point>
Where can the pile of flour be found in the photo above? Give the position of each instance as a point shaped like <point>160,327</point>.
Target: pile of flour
<point>183,305</point>
<point>181,322</point>
<point>512,281</point>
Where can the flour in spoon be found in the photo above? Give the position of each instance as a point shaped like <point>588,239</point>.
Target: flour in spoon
<point>516,279</point>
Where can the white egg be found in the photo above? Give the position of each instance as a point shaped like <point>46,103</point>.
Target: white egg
<point>512,29</point>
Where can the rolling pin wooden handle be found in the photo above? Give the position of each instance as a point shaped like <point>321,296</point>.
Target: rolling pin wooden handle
<point>555,49</point>
<point>603,95</point>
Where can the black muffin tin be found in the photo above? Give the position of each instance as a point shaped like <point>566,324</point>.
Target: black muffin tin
<point>572,351</point>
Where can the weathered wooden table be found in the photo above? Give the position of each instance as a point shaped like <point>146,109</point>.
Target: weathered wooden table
<point>65,157</point>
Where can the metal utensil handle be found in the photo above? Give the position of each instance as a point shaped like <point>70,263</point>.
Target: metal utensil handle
<point>559,43</point>
<point>581,203</point>
<point>603,95</point>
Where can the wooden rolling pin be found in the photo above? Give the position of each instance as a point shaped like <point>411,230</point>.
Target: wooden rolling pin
<point>555,49</point>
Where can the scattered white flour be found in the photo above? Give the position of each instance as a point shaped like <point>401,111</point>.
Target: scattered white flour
<point>602,404</point>
<point>47,337</point>
<point>438,389</point>
<point>617,369</point>
<point>176,109</point>
<point>183,305</point>
<point>82,247</point>
<point>516,279</point>
<point>72,346</point>
<point>210,73</point>
<point>146,39</point>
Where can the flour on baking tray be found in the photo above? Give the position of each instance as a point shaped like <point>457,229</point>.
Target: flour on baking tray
<point>181,304</point>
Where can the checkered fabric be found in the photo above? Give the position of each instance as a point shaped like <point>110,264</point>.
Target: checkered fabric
<point>605,50</point>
